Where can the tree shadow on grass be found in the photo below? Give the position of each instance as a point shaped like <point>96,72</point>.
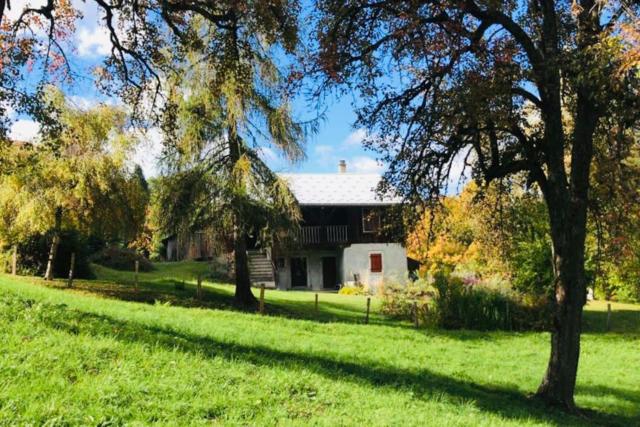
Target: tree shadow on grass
<point>622,322</point>
<point>180,293</point>
<point>630,397</point>
<point>183,294</point>
<point>422,383</point>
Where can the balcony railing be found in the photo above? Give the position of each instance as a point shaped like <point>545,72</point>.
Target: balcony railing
<point>317,234</point>
<point>310,235</point>
<point>337,233</point>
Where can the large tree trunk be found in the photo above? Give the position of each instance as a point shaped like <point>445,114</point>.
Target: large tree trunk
<point>558,384</point>
<point>53,250</point>
<point>567,206</point>
<point>243,296</point>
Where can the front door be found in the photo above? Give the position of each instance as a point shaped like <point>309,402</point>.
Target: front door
<point>298,272</point>
<point>329,272</point>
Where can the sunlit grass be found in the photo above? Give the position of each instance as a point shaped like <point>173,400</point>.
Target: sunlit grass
<point>74,357</point>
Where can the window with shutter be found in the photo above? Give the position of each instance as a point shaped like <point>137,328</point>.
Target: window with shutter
<point>376,263</point>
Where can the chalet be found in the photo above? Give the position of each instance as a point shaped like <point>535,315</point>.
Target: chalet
<point>348,235</point>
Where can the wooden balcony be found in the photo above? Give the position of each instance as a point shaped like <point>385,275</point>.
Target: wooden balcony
<point>319,235</point>
<point>337,233</point>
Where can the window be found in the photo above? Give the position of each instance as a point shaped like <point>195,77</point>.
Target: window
<point>370,220</point>
<point>375,261</point>
<point>280,263</point>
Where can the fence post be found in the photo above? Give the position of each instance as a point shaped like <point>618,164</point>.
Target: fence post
<point>608,317</point>
<point>366,319</point>
<point>316,305</point>
<point>416,320</point>
<point>199,287</point>
<point>71,267</point>
<point>14,260</point>
<point>262,298</point>
<point>137,267</point>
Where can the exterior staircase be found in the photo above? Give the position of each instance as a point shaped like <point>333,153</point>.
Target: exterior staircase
<point>261,269</point>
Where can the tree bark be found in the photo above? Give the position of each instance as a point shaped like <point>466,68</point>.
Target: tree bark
<point>243,296</point>
<point>53,251</point>
<point>558,384</point>
<point>14,260</point>
<point>567,206</point>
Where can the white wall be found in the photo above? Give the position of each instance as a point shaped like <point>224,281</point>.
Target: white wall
<point>314,268</point>
<point>355,260</point>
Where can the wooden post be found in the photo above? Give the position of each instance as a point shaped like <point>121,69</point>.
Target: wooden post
<point>262,298</point>
<point>199,287</point>
<point>137,267</point>
<point>366,319</point>
<point>415,314</point>
<point>14,260</point>
<point>608,317</point>
<point>316,306</point>
<point>71,268</point>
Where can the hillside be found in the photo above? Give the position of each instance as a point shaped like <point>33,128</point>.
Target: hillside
<point>75,357</point>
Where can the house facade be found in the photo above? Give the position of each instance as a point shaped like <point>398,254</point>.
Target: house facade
<point>348,235</point>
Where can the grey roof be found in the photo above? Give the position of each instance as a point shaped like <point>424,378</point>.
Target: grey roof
<point>337,189</point>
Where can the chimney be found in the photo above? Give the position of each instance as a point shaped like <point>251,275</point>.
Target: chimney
<point>342,166</point>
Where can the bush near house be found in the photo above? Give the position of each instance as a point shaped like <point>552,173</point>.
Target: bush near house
<point>452,302</point>
<point>121,259</point>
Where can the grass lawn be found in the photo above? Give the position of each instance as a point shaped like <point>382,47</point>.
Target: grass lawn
<point>159,355</point>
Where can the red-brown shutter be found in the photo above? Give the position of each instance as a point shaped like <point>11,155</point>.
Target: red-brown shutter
<point>376,263</point>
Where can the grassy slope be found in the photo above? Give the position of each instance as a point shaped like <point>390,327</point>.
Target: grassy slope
<point>81,359</point>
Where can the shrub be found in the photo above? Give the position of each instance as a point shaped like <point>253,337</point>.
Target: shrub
<point>460,306</point>
<point>531,267</point>
<point>398,300</point>
<point>33,254</point>
<point>460,303</point>
<point>352,290</point>
<point>121,259</point>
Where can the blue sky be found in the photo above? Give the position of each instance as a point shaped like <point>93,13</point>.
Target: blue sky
<point>336,139</point>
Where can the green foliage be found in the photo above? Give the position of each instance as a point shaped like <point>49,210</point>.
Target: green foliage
<point>77,178</point>
<point>401,301</point>
<point>457,305</point>
<point>531,267</point>
<point>33,253</point>
<point>451,302</point>
<point>614,243</point>
<point>121,259</point>
<point>495,231</point>
<point>80,171</point>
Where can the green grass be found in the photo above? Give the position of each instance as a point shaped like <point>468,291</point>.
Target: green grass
<point>74,357</point>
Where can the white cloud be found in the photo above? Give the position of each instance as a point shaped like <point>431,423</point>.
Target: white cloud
<point>17,6</point>
<point>323,150</point>
<point>363,164</point>
<point>24,130</point>
<point>459,174</point>
<point>93,41</point>
<point>148,152</point>
<point>356,137</point>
